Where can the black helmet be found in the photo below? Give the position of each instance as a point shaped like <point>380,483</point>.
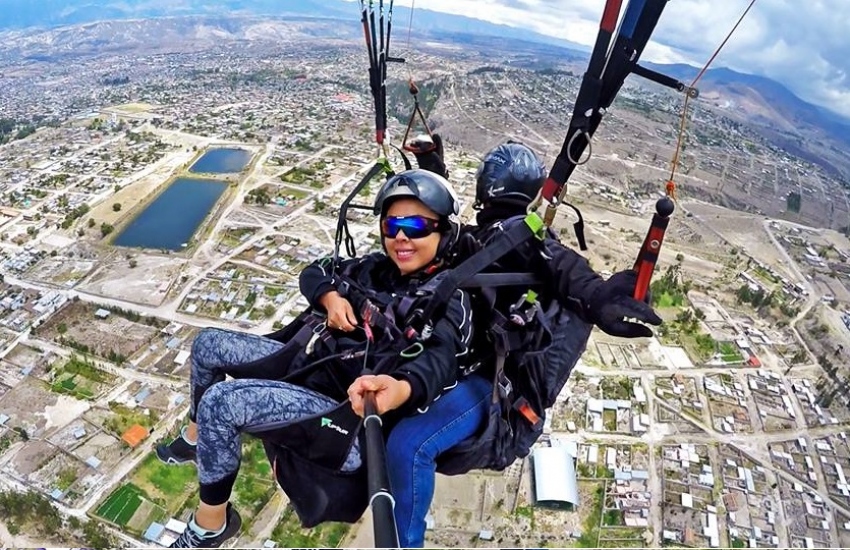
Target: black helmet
<point>433,190</point>
<point>509,171</point>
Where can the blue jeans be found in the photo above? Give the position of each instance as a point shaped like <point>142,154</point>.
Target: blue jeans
<point>415,443</point>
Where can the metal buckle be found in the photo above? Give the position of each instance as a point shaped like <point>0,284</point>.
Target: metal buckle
<point>505,387</point>
<point>519,303</point>
<point>308,349</point>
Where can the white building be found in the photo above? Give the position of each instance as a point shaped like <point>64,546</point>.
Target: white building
<point>555,478</point>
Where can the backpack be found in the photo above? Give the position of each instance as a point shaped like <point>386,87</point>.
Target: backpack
<point>536,343</point>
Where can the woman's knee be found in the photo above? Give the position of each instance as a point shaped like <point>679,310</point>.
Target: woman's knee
<point>215,406</point>
<point>207,339</point>
<point>207,345</point>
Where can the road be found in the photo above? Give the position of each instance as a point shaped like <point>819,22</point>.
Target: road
<point>166,310</point>
<point>811,300</point>
<point>754,445</point>
<point>207,261</point>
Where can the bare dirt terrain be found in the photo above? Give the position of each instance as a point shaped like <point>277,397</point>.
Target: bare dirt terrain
<point>77,322</point>
<point>22,540</point>
<point>34,408</point>
<point>32,456</point>
<point>744,231</point>
<point>147,283</point>
<point>69,266</point>
<point>103,446</point>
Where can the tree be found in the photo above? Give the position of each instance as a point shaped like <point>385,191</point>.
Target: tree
<point>680,257</point>
<point>22,433</point>
<point>106,229</point>
<point>97,537</point>
<point>793,201</point>
<point>133,263</point>
<point>91,223</point>
<point>116,207</point>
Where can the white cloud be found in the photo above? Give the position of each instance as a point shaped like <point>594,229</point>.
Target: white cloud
<point>800,44</point>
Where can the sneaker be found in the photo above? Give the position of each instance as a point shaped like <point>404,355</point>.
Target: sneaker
<point>191,538</point>
<point>179,451</point>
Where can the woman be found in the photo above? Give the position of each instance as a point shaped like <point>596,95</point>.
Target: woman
<point>418,231</point>
<point>509,178</point>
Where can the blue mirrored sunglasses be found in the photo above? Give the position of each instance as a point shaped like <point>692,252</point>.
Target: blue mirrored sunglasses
<point>414,227</point>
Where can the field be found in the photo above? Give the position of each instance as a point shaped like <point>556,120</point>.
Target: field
<point>147,281</point>
<point>106,448</point>
<point>729,352</point>
<point>132,108</point>
<point>39,409</point>
<point>24,356</point>
<point>157,491</point>
<point>80,379</point>
<point>115,338</point>
<point>121,505</point>
<point>62,270</point>
<point>288,533</point>
<point>742,231</point>
<point>168,485</point>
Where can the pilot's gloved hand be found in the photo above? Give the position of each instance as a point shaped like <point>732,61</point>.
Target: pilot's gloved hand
<point>428,150</point>
<point>613,302</point>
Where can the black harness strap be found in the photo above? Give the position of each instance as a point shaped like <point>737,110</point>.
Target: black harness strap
<point>491,280</point>
<point>342,232</point>
<point>607,71</point>
<point>506,242</point>
<point>587,102</point>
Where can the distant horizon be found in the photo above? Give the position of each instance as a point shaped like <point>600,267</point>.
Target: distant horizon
<point>55,14</point>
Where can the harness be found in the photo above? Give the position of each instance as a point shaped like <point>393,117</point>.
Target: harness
<point>533,345</point>
<point>308,456</point>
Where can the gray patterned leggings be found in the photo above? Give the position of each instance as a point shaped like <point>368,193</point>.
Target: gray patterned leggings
<point>225,409</point>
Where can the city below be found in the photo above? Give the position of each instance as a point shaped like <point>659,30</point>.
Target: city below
<point>148,195</point>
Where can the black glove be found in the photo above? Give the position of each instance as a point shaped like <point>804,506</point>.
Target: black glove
<point>428,151</point>
<point>613,301</point>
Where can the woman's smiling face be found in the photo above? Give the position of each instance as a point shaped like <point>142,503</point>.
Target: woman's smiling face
<point>408,253</point>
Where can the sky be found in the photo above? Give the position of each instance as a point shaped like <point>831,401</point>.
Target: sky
<point>801,44</point>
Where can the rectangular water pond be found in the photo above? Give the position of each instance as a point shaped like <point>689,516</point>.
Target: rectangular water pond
<point>170,221</point>
<point>222,161</point>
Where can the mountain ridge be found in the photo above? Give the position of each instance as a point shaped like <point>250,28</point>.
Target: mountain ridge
<point>749,98</point>
<point>771,90</point>
<point>26,15</point>
<point>23,14</point>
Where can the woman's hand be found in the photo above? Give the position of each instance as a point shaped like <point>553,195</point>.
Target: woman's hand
<point>340,313</point>
<point>389,393</point>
